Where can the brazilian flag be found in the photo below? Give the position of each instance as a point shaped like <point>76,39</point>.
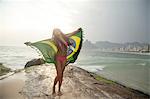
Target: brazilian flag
<point>48,48</point>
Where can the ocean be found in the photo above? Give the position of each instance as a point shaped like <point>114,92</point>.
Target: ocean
<point>129,69</point>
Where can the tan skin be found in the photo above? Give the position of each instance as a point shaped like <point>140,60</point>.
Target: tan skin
<point>58,36</point>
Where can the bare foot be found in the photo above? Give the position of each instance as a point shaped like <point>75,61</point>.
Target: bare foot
<point>59,93</point>
<point>54,94</point>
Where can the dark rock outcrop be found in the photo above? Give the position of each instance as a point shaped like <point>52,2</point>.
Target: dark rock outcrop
<point>4,70</point>
<point>34,62</point>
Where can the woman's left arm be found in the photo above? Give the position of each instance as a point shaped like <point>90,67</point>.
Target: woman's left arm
<point>74,32</point>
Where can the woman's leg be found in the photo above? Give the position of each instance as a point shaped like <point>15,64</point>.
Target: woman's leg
<point>58,70</point>
<point>61,79</point>
<point>60,83</point>
<point>55,82</point>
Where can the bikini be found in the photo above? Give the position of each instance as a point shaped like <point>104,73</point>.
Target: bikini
<point>61,58</point>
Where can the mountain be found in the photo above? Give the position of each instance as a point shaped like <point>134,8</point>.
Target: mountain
<point>89,45</point>
<point>106,45</point>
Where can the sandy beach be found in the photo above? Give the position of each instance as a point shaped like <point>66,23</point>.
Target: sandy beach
<point>36,83</point>
<point>12,85</point>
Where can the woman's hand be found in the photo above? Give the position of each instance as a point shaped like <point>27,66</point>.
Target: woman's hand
<point>74,32</point>
<point>79,29</point>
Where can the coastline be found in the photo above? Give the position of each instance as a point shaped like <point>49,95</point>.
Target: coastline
<point>126,52</point>
<point>36,82</point>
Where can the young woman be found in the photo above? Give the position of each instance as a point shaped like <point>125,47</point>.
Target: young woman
<point>62,41</point>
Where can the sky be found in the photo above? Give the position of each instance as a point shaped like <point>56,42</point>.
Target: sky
<point>117,21</point>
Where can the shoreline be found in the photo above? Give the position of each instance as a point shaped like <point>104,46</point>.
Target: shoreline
<point>125,85</point>
<point>74,77</point>
<point>100,77</point>
<point>123,52</point>
<point>119,83</point>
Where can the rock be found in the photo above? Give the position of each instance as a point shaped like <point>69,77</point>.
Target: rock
<point>34,62</point>
<point>77,84</point>
<point>1,63</point>
<point>4,70</point>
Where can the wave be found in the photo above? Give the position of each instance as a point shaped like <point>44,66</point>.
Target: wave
<point>92,68</point>
<point>142,64</point>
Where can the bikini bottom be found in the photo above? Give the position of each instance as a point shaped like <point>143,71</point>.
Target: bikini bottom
<point>61,58</point>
